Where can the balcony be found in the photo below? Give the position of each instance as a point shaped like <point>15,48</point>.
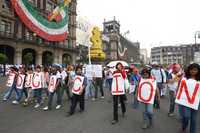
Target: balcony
<point>6,35</point>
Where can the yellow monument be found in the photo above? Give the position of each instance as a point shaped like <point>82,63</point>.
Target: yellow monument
<point>96,51</point>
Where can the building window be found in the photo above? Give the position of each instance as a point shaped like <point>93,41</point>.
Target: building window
<point>5,26</point>
<point>6,4</point>
<point>32,2</point>
<point>29,35</point>
<point>49,7</point>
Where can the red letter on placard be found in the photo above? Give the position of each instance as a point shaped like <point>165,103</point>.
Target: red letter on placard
<point>140,92</point>
<point>33,83</point>
<point>19,81</point>
<point>117,86</point>
<point>77,90</point>
<point>184,86</point>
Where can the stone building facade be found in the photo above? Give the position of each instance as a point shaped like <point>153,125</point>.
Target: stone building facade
<point>16,39</point>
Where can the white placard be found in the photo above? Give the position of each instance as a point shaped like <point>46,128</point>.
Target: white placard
<point>28,80</point>
<point>118,84</point>
<point>10,79</point>
<point>188,93</point>
<point>20,81</point>
<point>147,91</point>
<point>94,71</point>
<point>78,83</point>
<point>37,81</point>
<point>52,83</point>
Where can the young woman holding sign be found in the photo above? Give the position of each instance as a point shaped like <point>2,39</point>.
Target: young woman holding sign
<point>189,103</point>
<point>146,92</point>
<point>118,91</point>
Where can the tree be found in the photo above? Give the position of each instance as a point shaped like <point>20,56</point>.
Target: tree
<point>28,59</point>
<point>3,58</point>
<point>49,59</point>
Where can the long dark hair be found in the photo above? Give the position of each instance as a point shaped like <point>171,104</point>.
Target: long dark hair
<point>190,67</point>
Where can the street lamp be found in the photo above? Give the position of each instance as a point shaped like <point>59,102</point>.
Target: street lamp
<point>197,34</point>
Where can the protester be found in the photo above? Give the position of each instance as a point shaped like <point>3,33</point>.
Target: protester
<point>65,83</point>
<point>11,83</point>
<point>20,85</point>
<point>147,86</point>
<point>173,79</point>
<point>46,81</point>
<point>118,91</point>
<point>37,85</point>
<point>54,87</point>
<point>78,91</point>
<point>28,82</point>
<point>188,114</point>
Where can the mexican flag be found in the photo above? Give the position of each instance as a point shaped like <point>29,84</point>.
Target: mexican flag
<point>58,13</point>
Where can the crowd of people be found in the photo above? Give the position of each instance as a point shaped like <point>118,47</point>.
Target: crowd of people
<point>147,84</point>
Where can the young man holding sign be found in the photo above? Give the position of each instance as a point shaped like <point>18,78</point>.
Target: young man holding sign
<point>188,98</point>
<point>11,83</point>
<point>54,84</point>
<point>146,92</point>
<point>78,91</point>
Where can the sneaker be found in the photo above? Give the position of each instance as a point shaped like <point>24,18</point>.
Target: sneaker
<point>5,99</point>
<point>119,105</point>
<point>58,106</point>
<point>170,114</point>
<point>145,126</point>
<point>15,102</point>
<point>46,108</point>
<point>93,99</point>
<point>26,100</point>
<point>37,106</point>
<point>69,114</point>
<point>114,122</point>
<point>102,97</point>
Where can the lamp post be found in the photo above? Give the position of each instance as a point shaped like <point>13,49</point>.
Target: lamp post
<point>197,34</point>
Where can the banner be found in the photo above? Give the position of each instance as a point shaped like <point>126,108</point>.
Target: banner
<point>20,81</point>
<point>52,83</point>
<point>94,71</point>
<point>188,93</point>
<point>78,83</point>
<point>118,84</point>
<point>147,91</point>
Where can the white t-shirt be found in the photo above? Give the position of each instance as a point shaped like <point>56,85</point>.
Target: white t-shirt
<point>58,75</point>
<point>158,73</point>
<point>63,75</point>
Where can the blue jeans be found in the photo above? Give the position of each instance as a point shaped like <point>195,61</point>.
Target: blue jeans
<point>89,89</point>
<point>172,101</point>
<point>109,81</point>
<point>188,115</point>
<point>147,112</point>
<point>21,91</point>
<point>10,90</point>
<point>38,95</point>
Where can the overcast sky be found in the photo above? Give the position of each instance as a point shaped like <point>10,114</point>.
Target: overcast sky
<point>151,22</point>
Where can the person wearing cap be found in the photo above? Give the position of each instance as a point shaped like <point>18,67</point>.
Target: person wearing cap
<point>78,91</point>
<point>28,81</point>
<point>11,83</point>
<point>37,85</point>
<point>20,85</point>
<point>64,83</point>
<point>173,80</point>
<point>118,90</point>
<point>54,87</point>
<point>147,85</point>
